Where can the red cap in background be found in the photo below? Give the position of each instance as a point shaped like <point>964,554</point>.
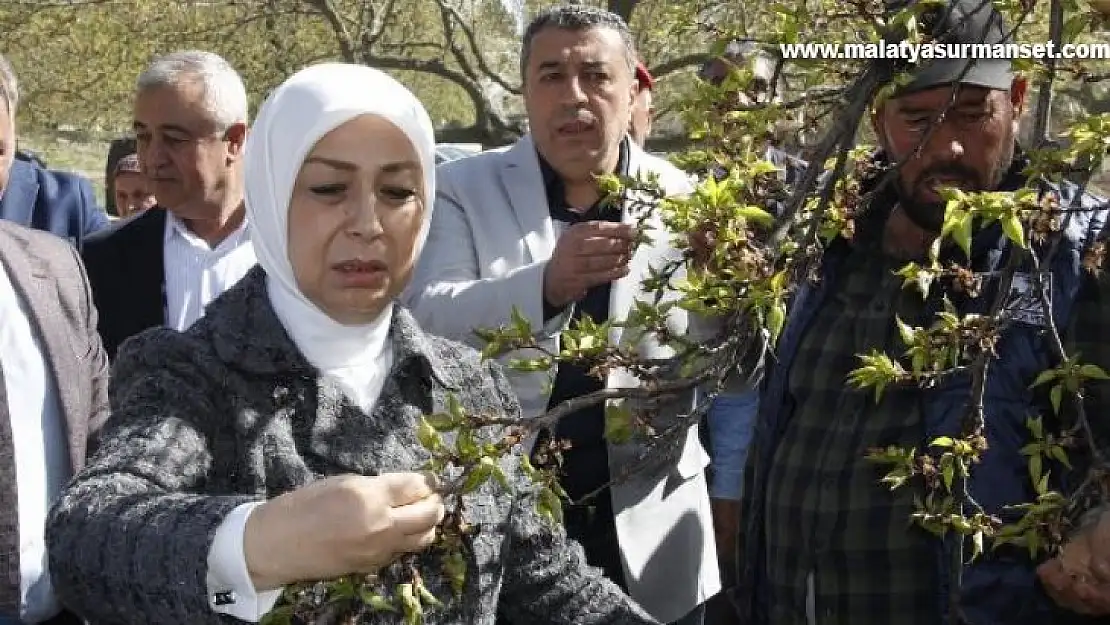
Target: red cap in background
<point>643,77</point>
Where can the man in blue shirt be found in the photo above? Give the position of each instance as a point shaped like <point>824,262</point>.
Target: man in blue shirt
<point>32,196</point>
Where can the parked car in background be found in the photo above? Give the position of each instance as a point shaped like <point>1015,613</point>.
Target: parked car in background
<point>451,151</point>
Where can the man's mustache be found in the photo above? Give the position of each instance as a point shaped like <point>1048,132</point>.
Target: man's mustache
<point>572,116</point>
<point>954,171</point>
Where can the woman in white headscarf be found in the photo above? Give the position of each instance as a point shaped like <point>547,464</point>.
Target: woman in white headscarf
<point>275,441</point>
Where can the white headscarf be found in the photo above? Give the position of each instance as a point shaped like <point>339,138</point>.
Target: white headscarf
<point>295,116</point>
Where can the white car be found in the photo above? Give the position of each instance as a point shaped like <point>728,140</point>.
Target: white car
<point>451,151</point>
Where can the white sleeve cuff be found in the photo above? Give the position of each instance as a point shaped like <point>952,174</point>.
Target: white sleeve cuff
<point>230,589</point>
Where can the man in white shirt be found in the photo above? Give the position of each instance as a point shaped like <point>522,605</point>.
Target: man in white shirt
<point>53,396</point>
<point>165,265</point>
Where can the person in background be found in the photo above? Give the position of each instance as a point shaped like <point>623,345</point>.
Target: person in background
<point>164,266</point>
<point>642,108</point>
<point>117,149</point>
<point>56,202</point>
<point>525,227</point>
<point>53,398</point>
<point>132,189</point>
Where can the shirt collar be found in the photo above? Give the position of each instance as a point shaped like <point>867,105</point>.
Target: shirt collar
<point>246,329</point>
<point>175,227</point>
<point>553,183</point>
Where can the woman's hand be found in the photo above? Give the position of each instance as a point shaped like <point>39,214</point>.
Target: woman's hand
<point>340,525</point>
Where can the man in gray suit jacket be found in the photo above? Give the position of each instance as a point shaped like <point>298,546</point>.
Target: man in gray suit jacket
<point>525,228</point>
<point>53,396</point>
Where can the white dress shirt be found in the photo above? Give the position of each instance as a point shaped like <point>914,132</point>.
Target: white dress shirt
<point>196,274</point>
<point>230,589</point>
<point>42,464</point>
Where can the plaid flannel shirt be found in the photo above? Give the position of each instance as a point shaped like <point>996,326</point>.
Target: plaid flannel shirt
<point>835,543</point>
<point>826,514</point>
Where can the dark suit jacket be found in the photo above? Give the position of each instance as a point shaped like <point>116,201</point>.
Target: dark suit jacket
<point>125,266</point>
<point>230,412</point>
<point>48,275</point>
<point>55,202</point>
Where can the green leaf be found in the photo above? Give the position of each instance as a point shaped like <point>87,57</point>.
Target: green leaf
<point>442,422</point>
<point>943,441</point>
<point>895,479</point>
<point>520,324</point>
<point>549,505</point>
<point>1046,376</point>
<point>918,361</point>
<point>960,524</point>
<point>499,475</point>
<point>466,446</point>
<point>587,342</point>
<point>427,598</point>
<point>428,436</point>
<point>1036,426</point>
<point>1011,225</point>
<point>962,235</point>
<point>454,408</point>
<point>776,317</point>
<point>1060,455</point>
<point>376,602</point>
<point>530,365</point>
<point>454,566</point>
<point>1074,26</point>
<point>478,475</point>
<point>976,544</point>
<point>1035,469</point>
<point>756,215</point>
<point>1056,396</point>
<point>410,603</point>
<point>948,473</point>
<point>905,331</point>
<point>1093,372</point>
<point>1033,542</point>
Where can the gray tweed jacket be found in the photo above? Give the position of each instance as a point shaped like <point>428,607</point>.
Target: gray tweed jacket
<point>231,412</point>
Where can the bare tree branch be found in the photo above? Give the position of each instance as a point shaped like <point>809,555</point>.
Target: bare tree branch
<point>451,14</point>
<point>377,23</point>
<point>678,63</point>
<point>326,8</point>
<point>1044,96</point>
